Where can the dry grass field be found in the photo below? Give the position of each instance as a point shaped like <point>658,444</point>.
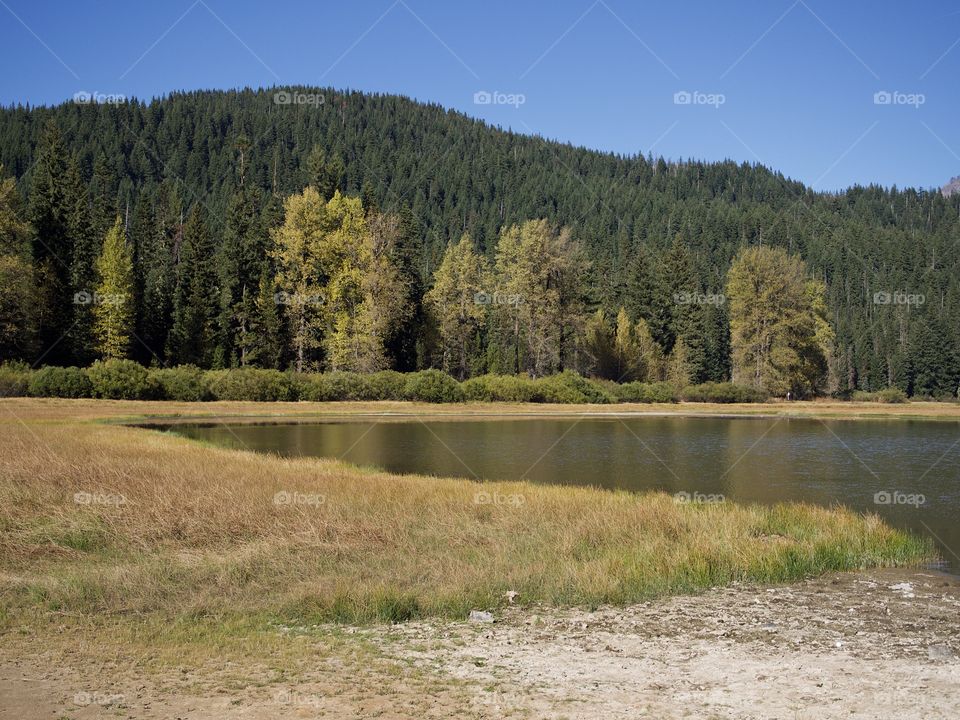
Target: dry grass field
<point>122,542</point>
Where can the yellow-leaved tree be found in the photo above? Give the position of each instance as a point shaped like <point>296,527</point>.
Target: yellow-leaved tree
<point>458,302</point>
<point>779,333</point>
<point>113,309</point>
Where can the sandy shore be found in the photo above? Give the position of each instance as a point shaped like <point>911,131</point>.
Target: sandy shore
<point>877,644</point>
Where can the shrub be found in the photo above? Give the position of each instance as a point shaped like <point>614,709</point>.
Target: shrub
<point>14,379</point>
<point>186,383</point>
<point>724,392</point>
<point>432,386</point>
<point>503,388</point>
<point>121,380</point>
<point>63,382</point>
<point>640,392</point>
<point>325,387</point>
<point>569,387</point>
<point>253,384</point>
<point>887,395</point>
<point>386,385</point>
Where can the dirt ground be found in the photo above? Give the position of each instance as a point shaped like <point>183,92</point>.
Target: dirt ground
<point>877,644</point>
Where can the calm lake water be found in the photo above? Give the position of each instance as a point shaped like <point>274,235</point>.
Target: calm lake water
<point>906,471</point>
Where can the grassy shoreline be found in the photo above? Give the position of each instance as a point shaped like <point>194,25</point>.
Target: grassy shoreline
<point>201,538</point>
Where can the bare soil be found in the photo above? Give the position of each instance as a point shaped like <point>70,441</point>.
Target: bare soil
<point>876,644</point>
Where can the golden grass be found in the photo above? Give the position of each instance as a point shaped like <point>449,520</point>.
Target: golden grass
<point>199,536</point>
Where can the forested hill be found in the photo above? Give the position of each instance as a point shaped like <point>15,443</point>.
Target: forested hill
<point>878,250</point>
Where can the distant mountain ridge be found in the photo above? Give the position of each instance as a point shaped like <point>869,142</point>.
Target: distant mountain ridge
<point>951,187</point>
<point>151,161</point>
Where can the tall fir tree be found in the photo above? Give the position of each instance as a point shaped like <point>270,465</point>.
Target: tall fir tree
<point>196,299</point>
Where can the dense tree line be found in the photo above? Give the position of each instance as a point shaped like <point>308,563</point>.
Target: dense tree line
<point>434,240</point>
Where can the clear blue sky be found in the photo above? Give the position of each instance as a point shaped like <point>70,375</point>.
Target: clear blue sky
<point>797,79</point>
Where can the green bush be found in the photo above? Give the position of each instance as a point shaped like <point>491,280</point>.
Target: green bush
<point>63,382</point>
<point>386,385</point>
<point>325,387</point>
<point>121,380</point>
<point>14,379</point>
<point>569,387</point>
<point>724,392</point>
<point>253,384</point>
<point>186,383</point>
<point>640,392</point>
<point>500,388</point>
<point>432,386</point>
<point>887,395</point>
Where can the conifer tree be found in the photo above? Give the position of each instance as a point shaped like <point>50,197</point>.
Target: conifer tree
<point>17,285</point>
<point>196,299</point>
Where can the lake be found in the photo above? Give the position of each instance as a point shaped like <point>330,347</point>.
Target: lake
<point>906,471</point>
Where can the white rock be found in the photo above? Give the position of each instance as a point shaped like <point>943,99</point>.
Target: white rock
<point>481,616</point>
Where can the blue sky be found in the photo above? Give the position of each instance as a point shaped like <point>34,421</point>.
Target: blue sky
<point>787,83</point>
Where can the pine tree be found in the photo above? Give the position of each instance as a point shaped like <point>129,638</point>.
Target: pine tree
<point>85,249</point>
<point>52,250</point>
<point>193,334</point>
<point>402,338</point>
<point>265,340</point>
<point>17,285</point>
<point>324,173</point>
<point>114,313</point>
<point>242,262</point>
